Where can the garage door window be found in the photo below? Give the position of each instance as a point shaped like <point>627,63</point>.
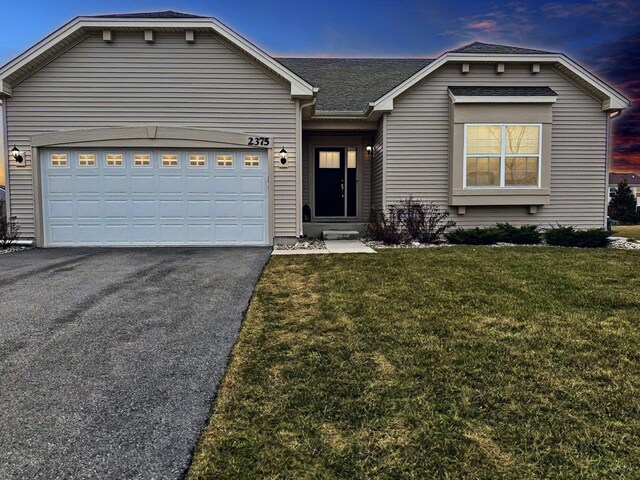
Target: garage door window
<point>252,161</point>
<point>170,160</point>
<point>197,160</point>
<point>115,160</point>
<point>141,160</point>
<point>86,160</point>
<point>225,161</point>
<point>58,159</point>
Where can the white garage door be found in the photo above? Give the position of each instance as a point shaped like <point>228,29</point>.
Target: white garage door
<point>138,197</point>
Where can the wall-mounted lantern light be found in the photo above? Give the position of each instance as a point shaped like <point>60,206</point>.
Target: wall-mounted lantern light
<point>283,157</point>
<point>16,154</point>
<point>369,149</point>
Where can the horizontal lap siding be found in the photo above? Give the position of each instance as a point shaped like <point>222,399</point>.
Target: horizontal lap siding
<point>169,82</point>
<point>376,168</point>
<point>418,148</point>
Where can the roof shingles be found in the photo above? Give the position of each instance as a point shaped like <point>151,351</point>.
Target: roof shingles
<point>349,84</point>
<point>489,48</point>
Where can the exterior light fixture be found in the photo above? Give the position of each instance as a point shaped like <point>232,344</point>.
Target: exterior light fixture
<point>16,154</point>
<point>283,156</point>
<point>369,149</point>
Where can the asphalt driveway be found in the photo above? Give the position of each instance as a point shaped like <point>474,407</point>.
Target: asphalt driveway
<point>110,358</point>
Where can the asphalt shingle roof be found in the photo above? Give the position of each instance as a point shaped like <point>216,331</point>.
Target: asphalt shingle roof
<point>349,84</point>
<point>479,47</point>
<point>485,91</point>
<point>164,14</point>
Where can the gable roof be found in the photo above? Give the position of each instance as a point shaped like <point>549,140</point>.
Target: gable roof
<point>163,14</point>
<point>629,178</point>
<point>350,84</point>
<point>480,48</point>
<point>482,91</point>
<point>78,28</point>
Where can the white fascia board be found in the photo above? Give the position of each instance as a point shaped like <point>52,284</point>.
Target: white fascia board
<point>501,99</point>
<point>615,100</point>
<point>299,87</point>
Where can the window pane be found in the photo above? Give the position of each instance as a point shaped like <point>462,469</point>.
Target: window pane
<point>224,161</point>
<point>523,139</point>
<point>521,171</point>
<point>483,139</point>
<point>483,171</point>
<point>351,158</point>
<point>329,159</point>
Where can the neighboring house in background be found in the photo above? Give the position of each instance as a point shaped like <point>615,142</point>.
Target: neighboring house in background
<point>169,128</point>
<point>632,179</point>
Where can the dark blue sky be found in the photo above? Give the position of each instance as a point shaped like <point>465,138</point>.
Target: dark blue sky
<point>603,35</point>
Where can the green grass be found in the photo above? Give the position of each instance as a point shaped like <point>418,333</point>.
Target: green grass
<point>630,231</point>
<point>459,362</point>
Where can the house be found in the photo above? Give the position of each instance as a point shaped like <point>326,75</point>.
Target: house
<point>631,179</point>
<point>172,129</point>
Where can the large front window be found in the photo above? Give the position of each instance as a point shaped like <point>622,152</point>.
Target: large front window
<point>502,155</point>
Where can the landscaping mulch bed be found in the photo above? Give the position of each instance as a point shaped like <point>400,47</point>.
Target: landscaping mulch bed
<point>15,248</point>
<point>309,244</point>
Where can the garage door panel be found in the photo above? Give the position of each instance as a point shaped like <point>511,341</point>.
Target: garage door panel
<point>116,209</point>
<point>115,184</point>
<point>88,184</point>
<point>110,204</point>
<point>61,209</point>
<point>143,184</point>
<point>89,209</point>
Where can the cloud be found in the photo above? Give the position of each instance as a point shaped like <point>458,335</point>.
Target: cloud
<point>486,25</point>
<point>613,62</point>
<point>602,12</point>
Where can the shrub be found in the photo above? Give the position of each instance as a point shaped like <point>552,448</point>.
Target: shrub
<point>9,231</point>
<point>475,236</point>
<point>383,228</point>
<point>524,235</point>
<point>425,223</point>
<point>570,237</point>
<point>623,204</point>
<point>502,232</point>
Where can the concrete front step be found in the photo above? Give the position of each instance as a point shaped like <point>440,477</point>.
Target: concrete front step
<point>340,235</point>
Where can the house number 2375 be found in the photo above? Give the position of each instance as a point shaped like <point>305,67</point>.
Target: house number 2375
<point>261,141</point>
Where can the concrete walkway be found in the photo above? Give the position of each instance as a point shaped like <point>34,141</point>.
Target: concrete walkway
<point>331,246</point>
<point>347,246</point>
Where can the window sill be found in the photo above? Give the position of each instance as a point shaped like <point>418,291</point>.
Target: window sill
<point>500,196</point>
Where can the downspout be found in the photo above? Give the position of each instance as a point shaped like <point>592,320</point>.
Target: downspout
<point>299,170</point>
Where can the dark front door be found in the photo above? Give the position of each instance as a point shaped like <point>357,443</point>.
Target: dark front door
<point>330,182</point>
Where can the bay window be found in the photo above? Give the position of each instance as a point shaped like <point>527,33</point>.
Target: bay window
<point>502,156</point>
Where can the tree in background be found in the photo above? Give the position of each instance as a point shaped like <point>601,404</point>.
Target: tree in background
<point>623,204</point>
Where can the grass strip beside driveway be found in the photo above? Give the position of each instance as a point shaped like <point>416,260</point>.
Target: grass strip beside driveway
<point>461,362</point>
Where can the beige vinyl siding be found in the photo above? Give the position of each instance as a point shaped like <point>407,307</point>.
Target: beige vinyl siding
<point>417,148</point>
<point>377,167</point>
<point>170,82</point>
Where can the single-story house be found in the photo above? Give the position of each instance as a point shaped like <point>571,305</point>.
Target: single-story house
<point>172,129</point>
<point>631,179</point>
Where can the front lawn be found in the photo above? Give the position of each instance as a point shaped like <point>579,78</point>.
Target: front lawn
<point>632,232</point>
<point>455,362</point>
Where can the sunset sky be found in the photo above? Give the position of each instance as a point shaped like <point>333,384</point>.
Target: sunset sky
<point>602,35</point>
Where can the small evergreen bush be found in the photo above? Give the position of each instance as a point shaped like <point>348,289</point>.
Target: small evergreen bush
<point>524,235</point>
<point>570,237</point>
<point>502,232</point>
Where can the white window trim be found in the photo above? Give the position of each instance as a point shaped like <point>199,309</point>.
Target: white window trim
<point>203,154</point>
<point>66,165</point>
<point>228,167</point>
<point>122,154</point>
<point>133,160</point>
<point>502,156</point>
<point>95,160</point>
<point>161,161</point>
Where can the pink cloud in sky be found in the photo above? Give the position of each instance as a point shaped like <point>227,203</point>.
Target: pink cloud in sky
<point>486,25</point>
